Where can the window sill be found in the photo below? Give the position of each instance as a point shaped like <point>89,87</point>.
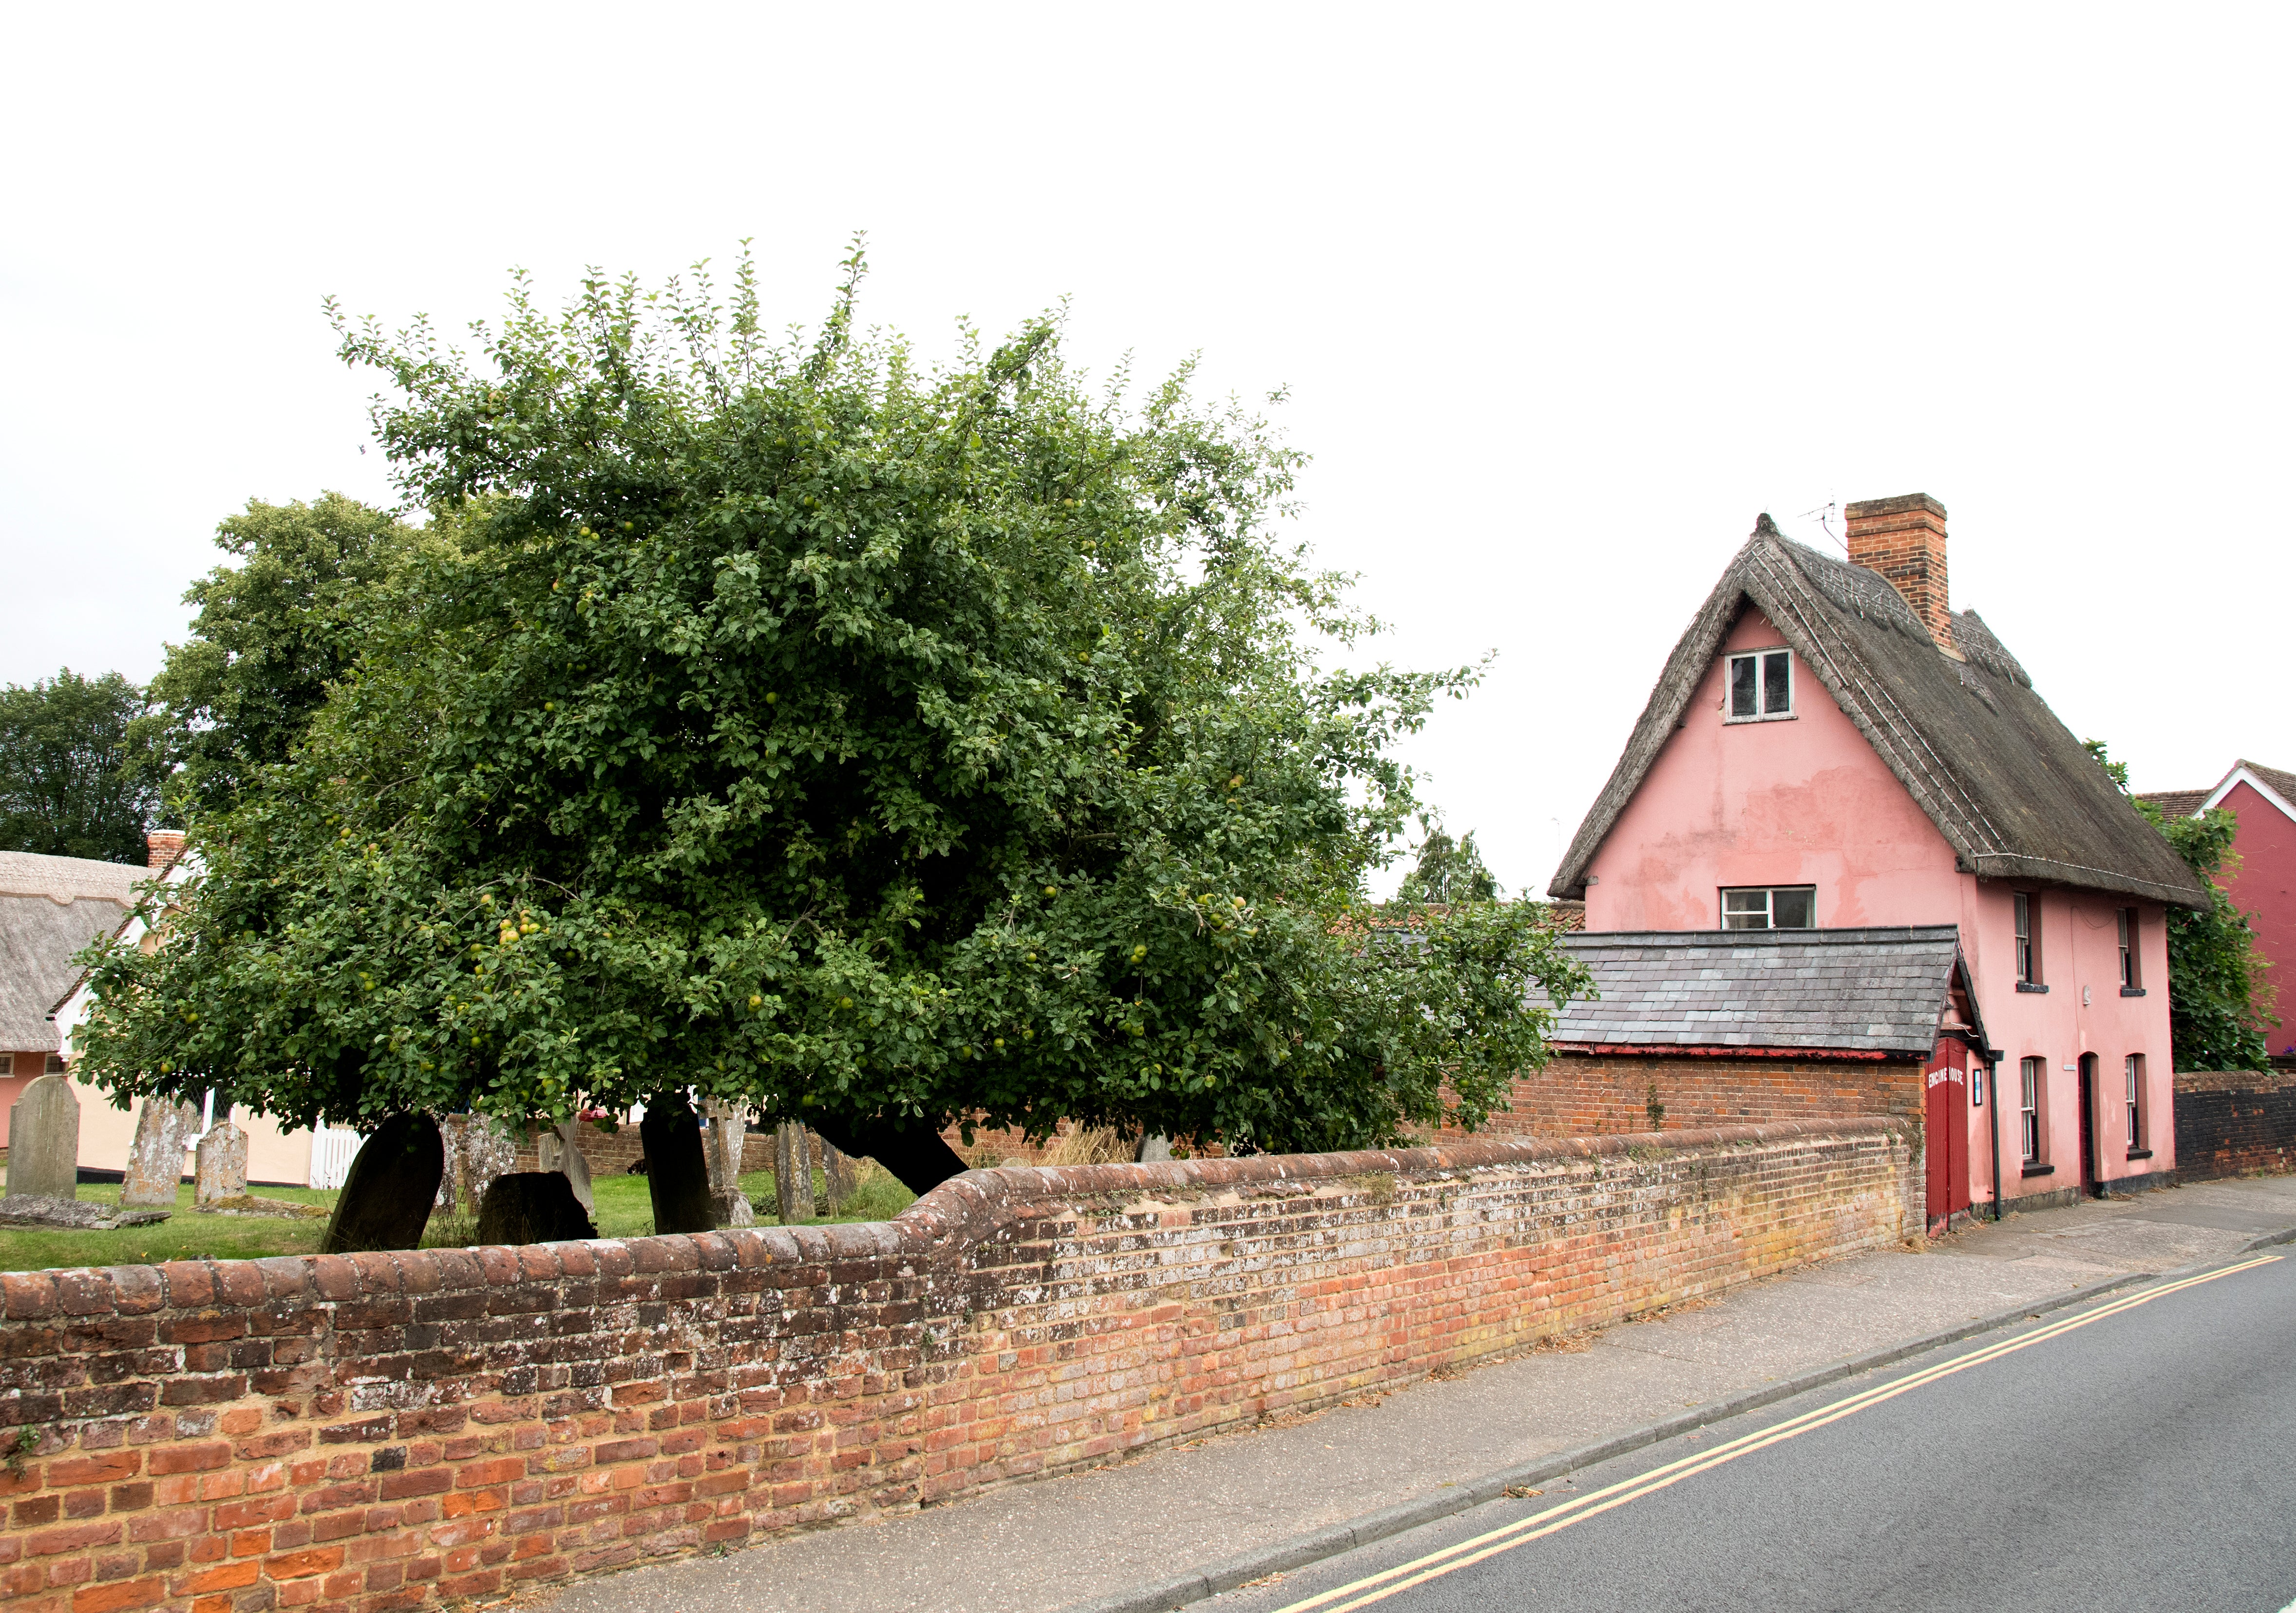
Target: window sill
<point>1773,717</point>
<point>2040,1170</point>
<point>2140,1153</point>
<point>2132,991</point>
<point>2032,985</point>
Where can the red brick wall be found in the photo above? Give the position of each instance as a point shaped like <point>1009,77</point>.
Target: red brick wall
<point>1588,1094</point>
<point>612,1153</point>
<point>385,1431</point>
<point>2232,1122</point>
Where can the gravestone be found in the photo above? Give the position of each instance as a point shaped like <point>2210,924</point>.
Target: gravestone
<point>792,1173</point>
<point>476,1151</point>
<point>43,1139</point>
<point>219,1166</point>
<point>155,1159</point>
<point>721,1150</point>
<point>532,1206</point>
<point>387,1193</point>
<point>838,1178</point>
<point>561,1151</point>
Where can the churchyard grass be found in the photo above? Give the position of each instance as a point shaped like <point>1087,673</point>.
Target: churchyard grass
<point>185,1235</point>
<point>623,1211</point>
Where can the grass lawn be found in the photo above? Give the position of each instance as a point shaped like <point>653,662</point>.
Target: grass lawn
<point>623,1211</point>
<point>186,1235</point>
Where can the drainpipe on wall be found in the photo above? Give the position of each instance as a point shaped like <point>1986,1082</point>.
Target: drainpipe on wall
<point>1993,1092</point>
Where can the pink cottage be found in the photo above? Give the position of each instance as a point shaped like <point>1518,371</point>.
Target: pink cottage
<point>1831,747</point>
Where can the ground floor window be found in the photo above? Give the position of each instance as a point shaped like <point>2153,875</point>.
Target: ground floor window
<point>2029,1119</point>
<point>2136,1100</point>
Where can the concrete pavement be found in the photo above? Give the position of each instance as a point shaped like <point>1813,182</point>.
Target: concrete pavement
<point>1114,1531</point>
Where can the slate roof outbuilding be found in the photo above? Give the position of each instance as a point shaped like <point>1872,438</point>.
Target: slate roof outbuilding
<point>2007,785</point>
<point>1878,991</point>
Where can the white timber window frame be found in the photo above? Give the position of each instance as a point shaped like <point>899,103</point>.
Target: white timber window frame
<point>1758,685</point>
<point>2031,1073</point>
<point>1769,907</point>
<point>2132,1070</point>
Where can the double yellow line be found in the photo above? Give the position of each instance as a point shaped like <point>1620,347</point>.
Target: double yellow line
<point>1379,1587</point>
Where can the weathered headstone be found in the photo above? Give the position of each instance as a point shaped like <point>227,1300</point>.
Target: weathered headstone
<point>532,1206</point>
<point>561,1151</point>
<point>71,1215</point>
<point>155,1159</point>
<point>476,1151</point>
<point>721,1150</point>
<point>43,1139</point>
<point>838,1178</point>
<point>677,1178</point>
<point>219,1166</point>
<point>388,1192</point>
<point>1154,1148</point>
<point>792,1173</point>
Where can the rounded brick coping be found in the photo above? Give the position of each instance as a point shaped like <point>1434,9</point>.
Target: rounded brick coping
<point>2234,1080</point>
<point>948,1212</point>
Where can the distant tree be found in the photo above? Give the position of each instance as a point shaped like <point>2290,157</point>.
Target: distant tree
<point>71,782</point>
<point>2220,1003</point>
<point>273,633</point>
<point>1447,870</point>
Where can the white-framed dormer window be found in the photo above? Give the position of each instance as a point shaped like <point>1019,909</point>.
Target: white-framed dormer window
<point>1761,686</point>
<point>1770,907</point>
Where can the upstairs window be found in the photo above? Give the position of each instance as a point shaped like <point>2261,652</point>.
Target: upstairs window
<point>2131,977</point>
<point>2029,938</point>
<point>1770,907</point>
<point>1761,685</point>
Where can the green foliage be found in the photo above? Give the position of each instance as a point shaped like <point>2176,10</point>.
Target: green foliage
<point>810,729</point>
<point>1447,870</point>
<point>2220,1003</point>
<point>72,782</point>
<point>273,633</point>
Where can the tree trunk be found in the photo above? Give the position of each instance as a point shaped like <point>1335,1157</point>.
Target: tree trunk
<point>677,1176</point>
<point>916,1154</point>
<point>387,1192</point>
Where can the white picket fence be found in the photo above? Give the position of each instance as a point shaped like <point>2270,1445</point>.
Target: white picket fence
<point>333,1148</point>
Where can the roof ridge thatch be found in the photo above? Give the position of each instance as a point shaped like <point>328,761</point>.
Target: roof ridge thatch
<point>2006,784</point>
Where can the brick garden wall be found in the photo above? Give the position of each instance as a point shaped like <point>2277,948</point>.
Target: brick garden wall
<point>2233,1121</point>
<point>385,1431</point>
<point>1594,1094</point>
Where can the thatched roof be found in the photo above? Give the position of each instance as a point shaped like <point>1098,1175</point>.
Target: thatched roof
<point>2007,785</point>
<point>1877,993</point>
<point>51,908</point>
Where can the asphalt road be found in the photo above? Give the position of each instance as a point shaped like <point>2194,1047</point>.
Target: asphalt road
<point>2140,1454</point>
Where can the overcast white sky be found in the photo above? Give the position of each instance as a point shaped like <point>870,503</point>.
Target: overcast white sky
<point>1565,295</point>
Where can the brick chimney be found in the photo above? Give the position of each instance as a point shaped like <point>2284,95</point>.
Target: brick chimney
<point>161,847</point>
<point>1903,539</point>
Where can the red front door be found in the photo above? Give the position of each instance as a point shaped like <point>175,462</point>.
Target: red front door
<point>1946,1139</point>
